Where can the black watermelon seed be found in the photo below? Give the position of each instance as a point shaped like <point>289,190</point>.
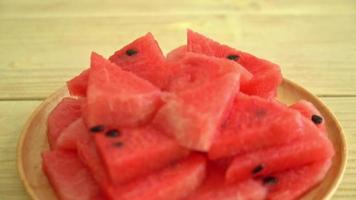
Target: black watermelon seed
<point>118,144</point>
<point>223,125</point>
<point>112,133</point>
<point>97,128</point>
<point>233,57</point>
<point>131,52</point>
<point>270,180</point>
<point>260,113</point>
<point>317,119</point>
<point>258,169</point>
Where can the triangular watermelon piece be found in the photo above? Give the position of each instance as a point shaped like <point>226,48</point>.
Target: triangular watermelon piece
<point>174,182</point>
<point>118,98</point>
<point>78,85</point>
<point>66,112</point>
<point>309,111</point>
<point>73,133</point>
<point>314,146</point>
<point>136,152</point>
<point>266,75</point>
<point>252,122</point>
<point>214,187</point>
<point>69,177</point>
<point>89,155</point>
<point>143,57</point>
<point>77,137</point>
<point>194,70</point>
<point>293,183</point>
<point>193,116</point>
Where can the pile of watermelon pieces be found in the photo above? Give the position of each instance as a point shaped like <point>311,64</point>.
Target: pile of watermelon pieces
<point>202,123</point>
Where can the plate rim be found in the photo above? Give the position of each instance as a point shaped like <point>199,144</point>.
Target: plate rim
<point>20,144</point>
<point>334,186</point>
<point>344,153</point>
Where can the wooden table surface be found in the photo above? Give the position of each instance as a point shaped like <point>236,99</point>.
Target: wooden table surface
<point>44,43</point>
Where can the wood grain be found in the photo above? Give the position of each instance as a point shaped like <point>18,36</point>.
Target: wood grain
<point>43,43</point>
<point>39,54</point>
<point>12,118</point>
<point>53,50</point>
<point>345,110</point>
<point>58,8</point>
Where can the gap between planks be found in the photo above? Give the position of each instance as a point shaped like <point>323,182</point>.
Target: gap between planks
<point>151,14</point>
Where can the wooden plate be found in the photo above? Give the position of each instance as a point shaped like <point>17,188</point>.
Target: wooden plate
<point>33,141</point>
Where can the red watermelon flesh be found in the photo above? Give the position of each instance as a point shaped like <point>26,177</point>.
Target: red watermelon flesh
<point>293,183</point>
<point>214,187</point>
<point>73,133</point>
<point>307,109</point>
<point>220,164</point>
<point>266,75</point>
<point>77,86</point>
<point>89,155</point>
<point>68,176</point>
<point>252,122</point>
<point>144,58</point>
<point>173,182</point>
<point>194,70</point>
<point>118,98</point>
<point>66,112</point>
<point>127,150</point>
<point>312,147</point>
<point>177,53</point>
<point>245,190</point>
<point>193,116</point>
<point>77,137</point>
<point>148,63</point>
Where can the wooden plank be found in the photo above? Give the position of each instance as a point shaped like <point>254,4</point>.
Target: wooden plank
<point>55,8</point>
<point>12,118</point>
<point>50,8</point>
<point>345,111</point>
<point>39,54</point>
<point>313,50</point>
<point>327,7</point>
<point>14,114</point>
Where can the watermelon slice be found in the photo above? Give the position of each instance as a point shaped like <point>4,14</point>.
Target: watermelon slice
<point>77,86</point>
<point>143,57</point>
<point>117,98</point>
<point>88,154</point>
<point>67,111</point>
<point>266,75</point>
<point>214,187</point>
<point>193,116</point>
<point>309,111</point>
<point>194,70</point>
<point>69,137</point>
<point>126,150</point>
<point>252,122</point>
<point>173,183</point>
<point>68,176</point>
<point>293,183</point>
<point>77,137</point>
<point>313,147</point>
